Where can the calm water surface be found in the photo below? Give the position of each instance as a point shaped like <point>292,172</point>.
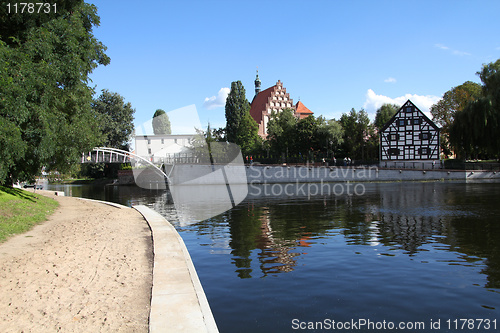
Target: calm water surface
<point>400,252</point>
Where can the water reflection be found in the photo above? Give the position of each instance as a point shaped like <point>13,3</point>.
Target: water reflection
<point>266,235</point>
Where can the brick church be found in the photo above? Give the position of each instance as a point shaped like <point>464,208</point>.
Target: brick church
<point>275,99</point>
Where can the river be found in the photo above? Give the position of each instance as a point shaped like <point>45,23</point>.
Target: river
<point>421,255</point>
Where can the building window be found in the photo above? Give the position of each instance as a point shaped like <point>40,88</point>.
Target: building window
<point>424,151</point>
<point>162,141</point>
<point>401,122</point>
<point>425,136</point>
<point>149,151</point>
<point>408,109</point>
<point>394,137</point>
<point>175,140</point>
<point>149,141</point>
<point>393,151</point>
<point>416,121</point>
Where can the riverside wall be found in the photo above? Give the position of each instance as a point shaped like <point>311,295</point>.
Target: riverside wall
<point>262,174</point>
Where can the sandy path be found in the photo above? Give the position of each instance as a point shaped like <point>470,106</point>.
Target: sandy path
<point>87,269</point>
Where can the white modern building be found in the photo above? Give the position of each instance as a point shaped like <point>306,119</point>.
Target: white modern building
<point>159,148</point>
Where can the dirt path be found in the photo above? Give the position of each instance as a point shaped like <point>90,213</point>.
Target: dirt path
<point>87,269</point>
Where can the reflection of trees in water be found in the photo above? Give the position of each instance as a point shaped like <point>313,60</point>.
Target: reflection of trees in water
<point>460,215</point>
<point>277,230</point>
<point>251,229</point>
<point>266,236</point>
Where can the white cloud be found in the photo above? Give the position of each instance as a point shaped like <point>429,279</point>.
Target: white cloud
<point>390,80</point>
<point>441,46</point>
<point>454,52</point>
<point>216,101</point>
<point>423,102</point>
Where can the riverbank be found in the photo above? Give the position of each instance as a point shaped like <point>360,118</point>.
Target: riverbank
<point>20,210</point>
<point>87,269</point>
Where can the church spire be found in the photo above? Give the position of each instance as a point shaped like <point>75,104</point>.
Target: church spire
<point>257,83</point>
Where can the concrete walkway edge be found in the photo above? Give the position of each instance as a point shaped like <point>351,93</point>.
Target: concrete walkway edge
<point>178,302</point>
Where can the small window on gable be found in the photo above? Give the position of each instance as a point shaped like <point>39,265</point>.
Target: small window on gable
<point>401,122</point>
<point>417,121</point>
<point>393,137</point>
<point>408,109</point>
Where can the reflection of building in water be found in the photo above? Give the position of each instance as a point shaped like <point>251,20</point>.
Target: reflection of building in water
<point>255,243</point>
<point>410,218</point>
<point>276,255</point>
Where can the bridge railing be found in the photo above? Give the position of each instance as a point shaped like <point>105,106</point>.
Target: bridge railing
<point>113,155</point>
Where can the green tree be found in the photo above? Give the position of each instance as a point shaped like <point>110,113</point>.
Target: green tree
<point>161,123</point>
<point>236,107</point>
<point>247,136</point>
<point>115,119</point>
<point>330,135</point>
<point>45,104</point>
<point>357,133</point>
<point>454,100</point>
<point>307,140</point>
<point>474,131</point>
<point>384,114</point>
<point>281,132</point>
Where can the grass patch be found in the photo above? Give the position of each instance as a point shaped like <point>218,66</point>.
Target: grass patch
<point>20,210</point>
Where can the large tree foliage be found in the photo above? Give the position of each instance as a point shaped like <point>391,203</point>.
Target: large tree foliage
<point>115,119</point>
<point>161,123</point>
<point>454,100</point>
<point>45,103</point>
<point>281,130</point>
<point>330,134</point>
<point>247,135</point>
<point>236,107</point>
<point>289,136</point>
<point>384,114</point>
<point>359,137</point>
<point>241,128</point>
<point>475,128</point>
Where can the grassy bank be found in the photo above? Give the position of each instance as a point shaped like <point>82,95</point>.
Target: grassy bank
<point>20,210</point>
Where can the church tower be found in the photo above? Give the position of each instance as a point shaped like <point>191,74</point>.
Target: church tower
<point>257,84</point>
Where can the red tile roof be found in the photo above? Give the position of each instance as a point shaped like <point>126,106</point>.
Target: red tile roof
<point>259,103</point>
<point>301,109</point>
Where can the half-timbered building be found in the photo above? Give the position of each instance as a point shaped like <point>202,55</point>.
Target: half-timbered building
<point>410,136</point>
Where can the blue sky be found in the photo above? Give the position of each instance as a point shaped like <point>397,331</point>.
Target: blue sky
<point>333,55</point>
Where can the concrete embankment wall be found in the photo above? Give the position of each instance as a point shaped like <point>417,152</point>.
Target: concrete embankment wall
<point>260,174</point>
